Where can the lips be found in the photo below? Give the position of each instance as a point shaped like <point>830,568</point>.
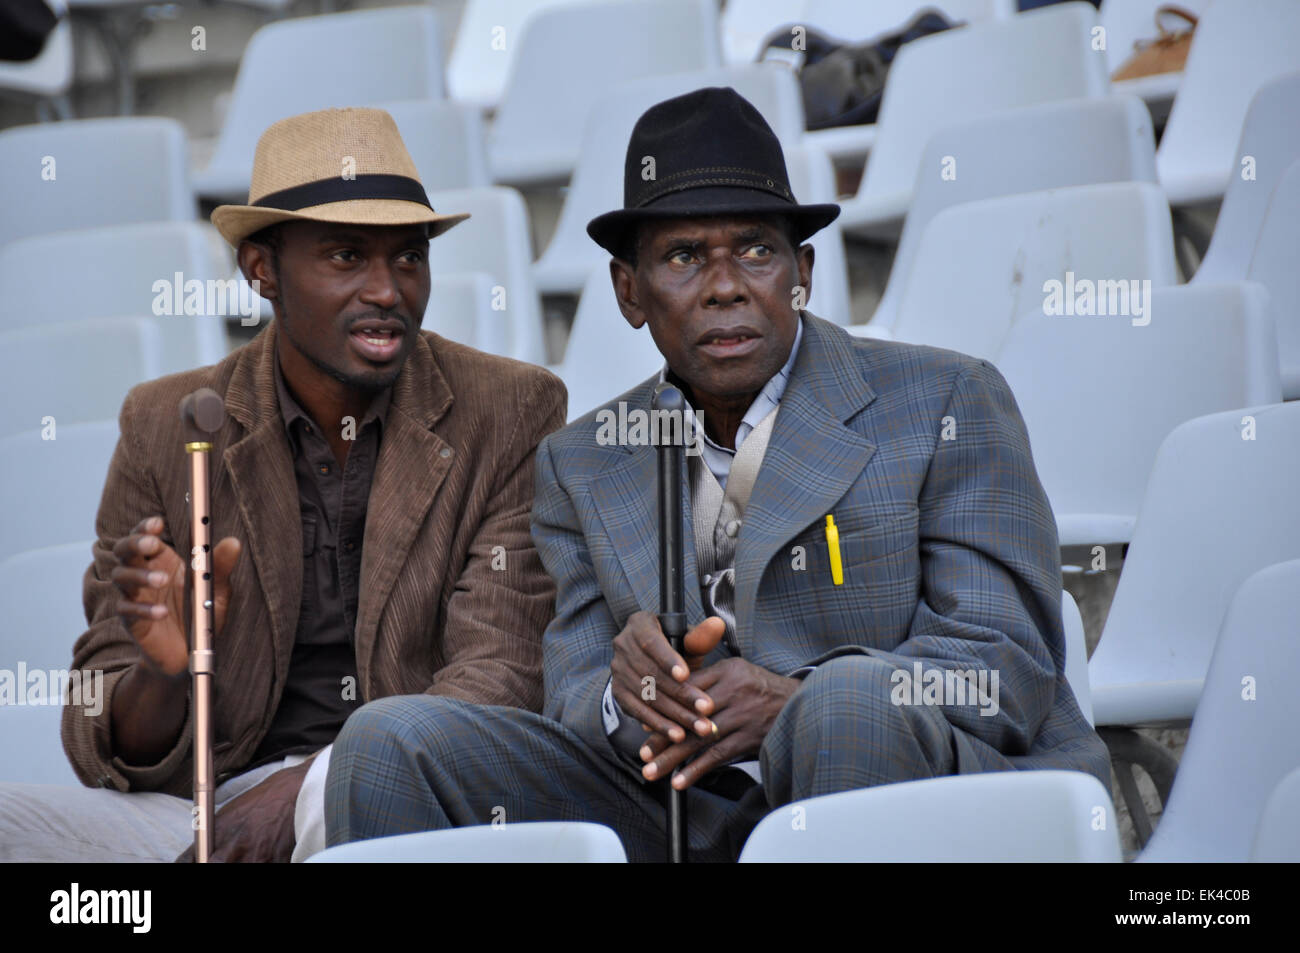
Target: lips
<point>734,341</point>
<point>378,341</point>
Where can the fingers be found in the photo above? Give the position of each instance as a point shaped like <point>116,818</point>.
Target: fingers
<point>143,543</point>
<point>704,638</point>
<point>650,681</point>
<point>132,581</point>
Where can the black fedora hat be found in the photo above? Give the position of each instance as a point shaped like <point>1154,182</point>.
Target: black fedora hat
<point>713,155</point>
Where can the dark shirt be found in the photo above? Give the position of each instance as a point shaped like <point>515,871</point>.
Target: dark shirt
<point>321,689</point>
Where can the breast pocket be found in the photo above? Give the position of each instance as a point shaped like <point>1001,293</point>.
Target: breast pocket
<point>875,553</point>
<point>881,566</point>
<point>308,558</point>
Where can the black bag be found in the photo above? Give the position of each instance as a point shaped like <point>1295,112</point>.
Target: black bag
<point>842,83</point>
<point>24,27</point>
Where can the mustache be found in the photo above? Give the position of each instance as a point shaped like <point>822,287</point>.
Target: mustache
<point>371,317</point>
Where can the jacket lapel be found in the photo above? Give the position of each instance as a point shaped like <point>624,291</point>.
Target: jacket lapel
<point>266,492</point>
<point>413,462</point>
<point>811,461</point>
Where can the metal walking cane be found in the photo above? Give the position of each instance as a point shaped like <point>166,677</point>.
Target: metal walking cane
<point>672,607</point>
<point>202,414</point>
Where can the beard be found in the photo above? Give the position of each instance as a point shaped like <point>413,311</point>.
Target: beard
<point>371,382</point>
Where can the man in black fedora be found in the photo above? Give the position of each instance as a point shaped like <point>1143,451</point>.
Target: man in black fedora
<point>871,572</point>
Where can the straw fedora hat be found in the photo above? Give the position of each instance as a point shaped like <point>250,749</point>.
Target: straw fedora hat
<point>336,165</point>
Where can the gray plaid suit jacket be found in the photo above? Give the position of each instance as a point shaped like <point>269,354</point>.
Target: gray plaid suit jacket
<point>949,546</point>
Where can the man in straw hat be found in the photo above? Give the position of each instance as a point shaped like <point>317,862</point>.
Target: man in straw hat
<point>370,495</point>
<point>871,572</point>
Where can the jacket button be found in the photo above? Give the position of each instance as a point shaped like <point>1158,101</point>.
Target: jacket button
<point>445,452</point>
<point>733,528</point>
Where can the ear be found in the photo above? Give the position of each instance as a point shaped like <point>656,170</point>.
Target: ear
<point>255,262</point>
<point>803,256</point>
<point>623,276</point>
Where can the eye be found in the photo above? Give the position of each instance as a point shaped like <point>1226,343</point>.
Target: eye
<point>345,254</point>
<point>758,250</point>
<point>680,256</point>
<point>413,256</point>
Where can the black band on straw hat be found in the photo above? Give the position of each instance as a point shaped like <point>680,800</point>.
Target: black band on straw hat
<point>339,189</point>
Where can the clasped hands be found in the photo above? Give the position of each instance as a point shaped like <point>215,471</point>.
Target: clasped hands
<point>699,718</point>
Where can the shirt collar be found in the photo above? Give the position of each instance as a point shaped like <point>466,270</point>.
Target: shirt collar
<point>768,398</point>
<point>291,410</point>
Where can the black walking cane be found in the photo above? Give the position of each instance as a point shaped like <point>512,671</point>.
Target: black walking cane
<point>672,608</point>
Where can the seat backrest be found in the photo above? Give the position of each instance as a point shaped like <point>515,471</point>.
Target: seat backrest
<point>120,271</point>
<point>495,240</point>
<point>445,140</point>
<point>460,308</point>
<point>972,71</point>
<point>1220,504</point>
<point>1099,394</point>
<point>1270,143</point>
<point>1238,47</point>
<point>745,24</point>
<point>1243,739</point>
<point>999,816</point>
<point>84,173</point>
<point>597,184</point>
<point>1047,146</point>
<point>487,39</point>
<point>551,842</point>
<point>600,333</point>
<point>50,72</point>
<point>549,91</point>
<point>41,593</point>
<point>75,371</point>
<point>340,59</point>
<point>982,265</point>
<point>1274,266</point>
<point>1277,838</point>
<point>53,486</point>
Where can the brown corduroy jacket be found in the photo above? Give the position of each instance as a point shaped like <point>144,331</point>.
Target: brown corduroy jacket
<point>441,608</point>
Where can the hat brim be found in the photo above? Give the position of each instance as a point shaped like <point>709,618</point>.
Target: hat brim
<point>610,230</point>
<point>237,222</point>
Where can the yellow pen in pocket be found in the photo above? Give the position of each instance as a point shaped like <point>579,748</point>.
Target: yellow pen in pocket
<point>833,545</point>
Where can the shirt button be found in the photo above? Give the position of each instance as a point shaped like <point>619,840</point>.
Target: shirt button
<point>733,528</point>
<point>445,452</point>
<point>307,427</point>
<point>349,545</point>
<point>324,468</point>
<point>708,578</point>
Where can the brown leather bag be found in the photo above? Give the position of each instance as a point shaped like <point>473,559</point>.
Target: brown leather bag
<point>1166,53</point>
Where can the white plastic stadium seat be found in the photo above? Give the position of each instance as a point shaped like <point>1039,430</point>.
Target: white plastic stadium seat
<point>567,56</point>
<point>997,817</point>
<point>1277,838</point>
<point>812,179</point>
<point>605,355</point>
<point>1076,654</point>
<point>853,21</point>
<point>982,265</point>
<point>1217,509</point>
<point>90,172</point>
<point>110,272</point>
<point>53,487</point>
<point>1274,266</point>
<point>965,74</point>
<point>495,240</point>
<point>446,140</point>
<point>1238,47</point>
<point>746,24</point>
<point>597,184</point>
<point>1099,394</point>
<point>542,842</point>
<point>487,39</point>
<point>1129,21</point>
<point>1270,143</point>
<point>460,308</point>
<point>1048,146</point>
<point>1243,739</point>
<point>75,371</point>
<point>302,65</point>
<point>41,593</point>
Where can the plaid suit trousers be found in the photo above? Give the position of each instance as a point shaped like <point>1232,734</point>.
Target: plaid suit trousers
<point>427,762</point>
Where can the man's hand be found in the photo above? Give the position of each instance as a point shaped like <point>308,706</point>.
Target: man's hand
<point>257,826</point>
<point>747,697</point>
<point>674,706</point>
<point>151,577</point>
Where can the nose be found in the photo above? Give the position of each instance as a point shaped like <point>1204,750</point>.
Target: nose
<point>380,289</point>
<point>724,284</point>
